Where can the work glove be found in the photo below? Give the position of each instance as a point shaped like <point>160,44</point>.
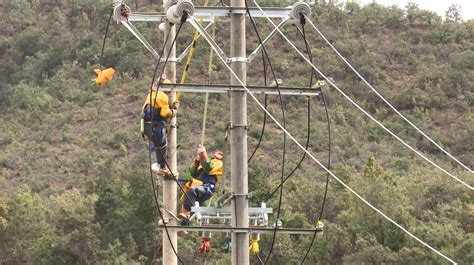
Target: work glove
<point>142,127</point>
<point>196,162</point>
<point>189,178</point>
<point>202,153</point>
<point>201,149</point>
<point>173,113</point>
<point>175,105</point>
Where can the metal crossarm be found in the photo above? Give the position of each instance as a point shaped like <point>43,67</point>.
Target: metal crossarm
<point>216,11</point>
<point>215,228</point>
<point>227,210</point>
<point>300,91</point>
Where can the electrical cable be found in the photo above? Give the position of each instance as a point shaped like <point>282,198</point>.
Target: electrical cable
<point>259,258</point>
<point>183,19</point>
<point>210,42</point>
<point>105,37</point>
<point>149,161</point>
<point>310,56</point>
<point>280,199</point>
<point>387,102</point>
<point>264,114</point>
<point>304,154</point>
<point>360,108</point>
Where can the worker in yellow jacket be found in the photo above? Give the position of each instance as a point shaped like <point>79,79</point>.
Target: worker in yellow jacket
<point>205,174</point>
<point>156,112</point>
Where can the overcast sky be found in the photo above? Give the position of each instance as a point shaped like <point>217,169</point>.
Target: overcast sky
<point>439,6</point>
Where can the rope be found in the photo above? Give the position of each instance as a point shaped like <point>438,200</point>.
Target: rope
<point>284,126</point>
<point>206,98</point>
<point>387,102</point>
<point>310,154</point>
<point>190,55</point>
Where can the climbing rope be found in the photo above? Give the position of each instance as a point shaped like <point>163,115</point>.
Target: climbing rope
<point>190,55</point>
<point>206,98</point>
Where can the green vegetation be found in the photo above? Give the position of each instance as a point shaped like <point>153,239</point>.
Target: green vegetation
<point>74,184</point>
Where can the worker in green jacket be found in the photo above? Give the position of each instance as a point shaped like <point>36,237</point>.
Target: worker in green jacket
<point>205,174</point>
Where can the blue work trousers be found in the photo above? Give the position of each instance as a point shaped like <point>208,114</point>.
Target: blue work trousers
<point>198,193</point>
<point>157,135</point>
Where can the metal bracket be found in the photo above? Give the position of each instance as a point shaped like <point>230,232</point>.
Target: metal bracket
<point>248,195</point>
<point>237,59</point>
<point>170,59</point>
<point>232,126</point>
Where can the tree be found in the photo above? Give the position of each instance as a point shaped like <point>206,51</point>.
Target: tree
<point>453,13</point>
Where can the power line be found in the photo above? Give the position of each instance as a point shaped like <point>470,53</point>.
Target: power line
<point>386,101</point>
<point>206,36</point>
<point>310,55</point>
<point>280,199</point>
<point>153,134</point>
<point>360,108</point>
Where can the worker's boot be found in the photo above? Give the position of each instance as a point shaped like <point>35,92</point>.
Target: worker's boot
<point>163,221</point>
<point>161,172</point>
<point>184,221</point>
<point>155,167</point>
<point>164,172</point>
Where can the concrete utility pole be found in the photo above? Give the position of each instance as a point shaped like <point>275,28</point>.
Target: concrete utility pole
<point>238,106</point>
<point>238,137</point>
<point>169,185</point>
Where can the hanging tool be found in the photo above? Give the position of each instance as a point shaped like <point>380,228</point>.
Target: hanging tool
<point>254,247</point>
<point>206,242</point>
<point>103,76</point>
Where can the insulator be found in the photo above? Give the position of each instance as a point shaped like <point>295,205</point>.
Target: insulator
<point>176,12</point>
<point>298,9</point>
<point>119,10</point>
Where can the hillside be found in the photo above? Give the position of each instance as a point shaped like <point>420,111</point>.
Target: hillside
<point>74,183</point>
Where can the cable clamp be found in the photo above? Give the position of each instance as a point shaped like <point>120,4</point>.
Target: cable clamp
<point>232,126</point>
<point>237,59</point>
<point>172,178</point>
<point>247,195</point>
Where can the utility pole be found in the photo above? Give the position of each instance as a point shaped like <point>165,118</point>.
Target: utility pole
<point>238,137</point>
<point>169,185</point>
<point>238,60</point>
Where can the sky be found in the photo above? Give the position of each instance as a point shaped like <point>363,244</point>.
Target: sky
<point>439,6</point>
